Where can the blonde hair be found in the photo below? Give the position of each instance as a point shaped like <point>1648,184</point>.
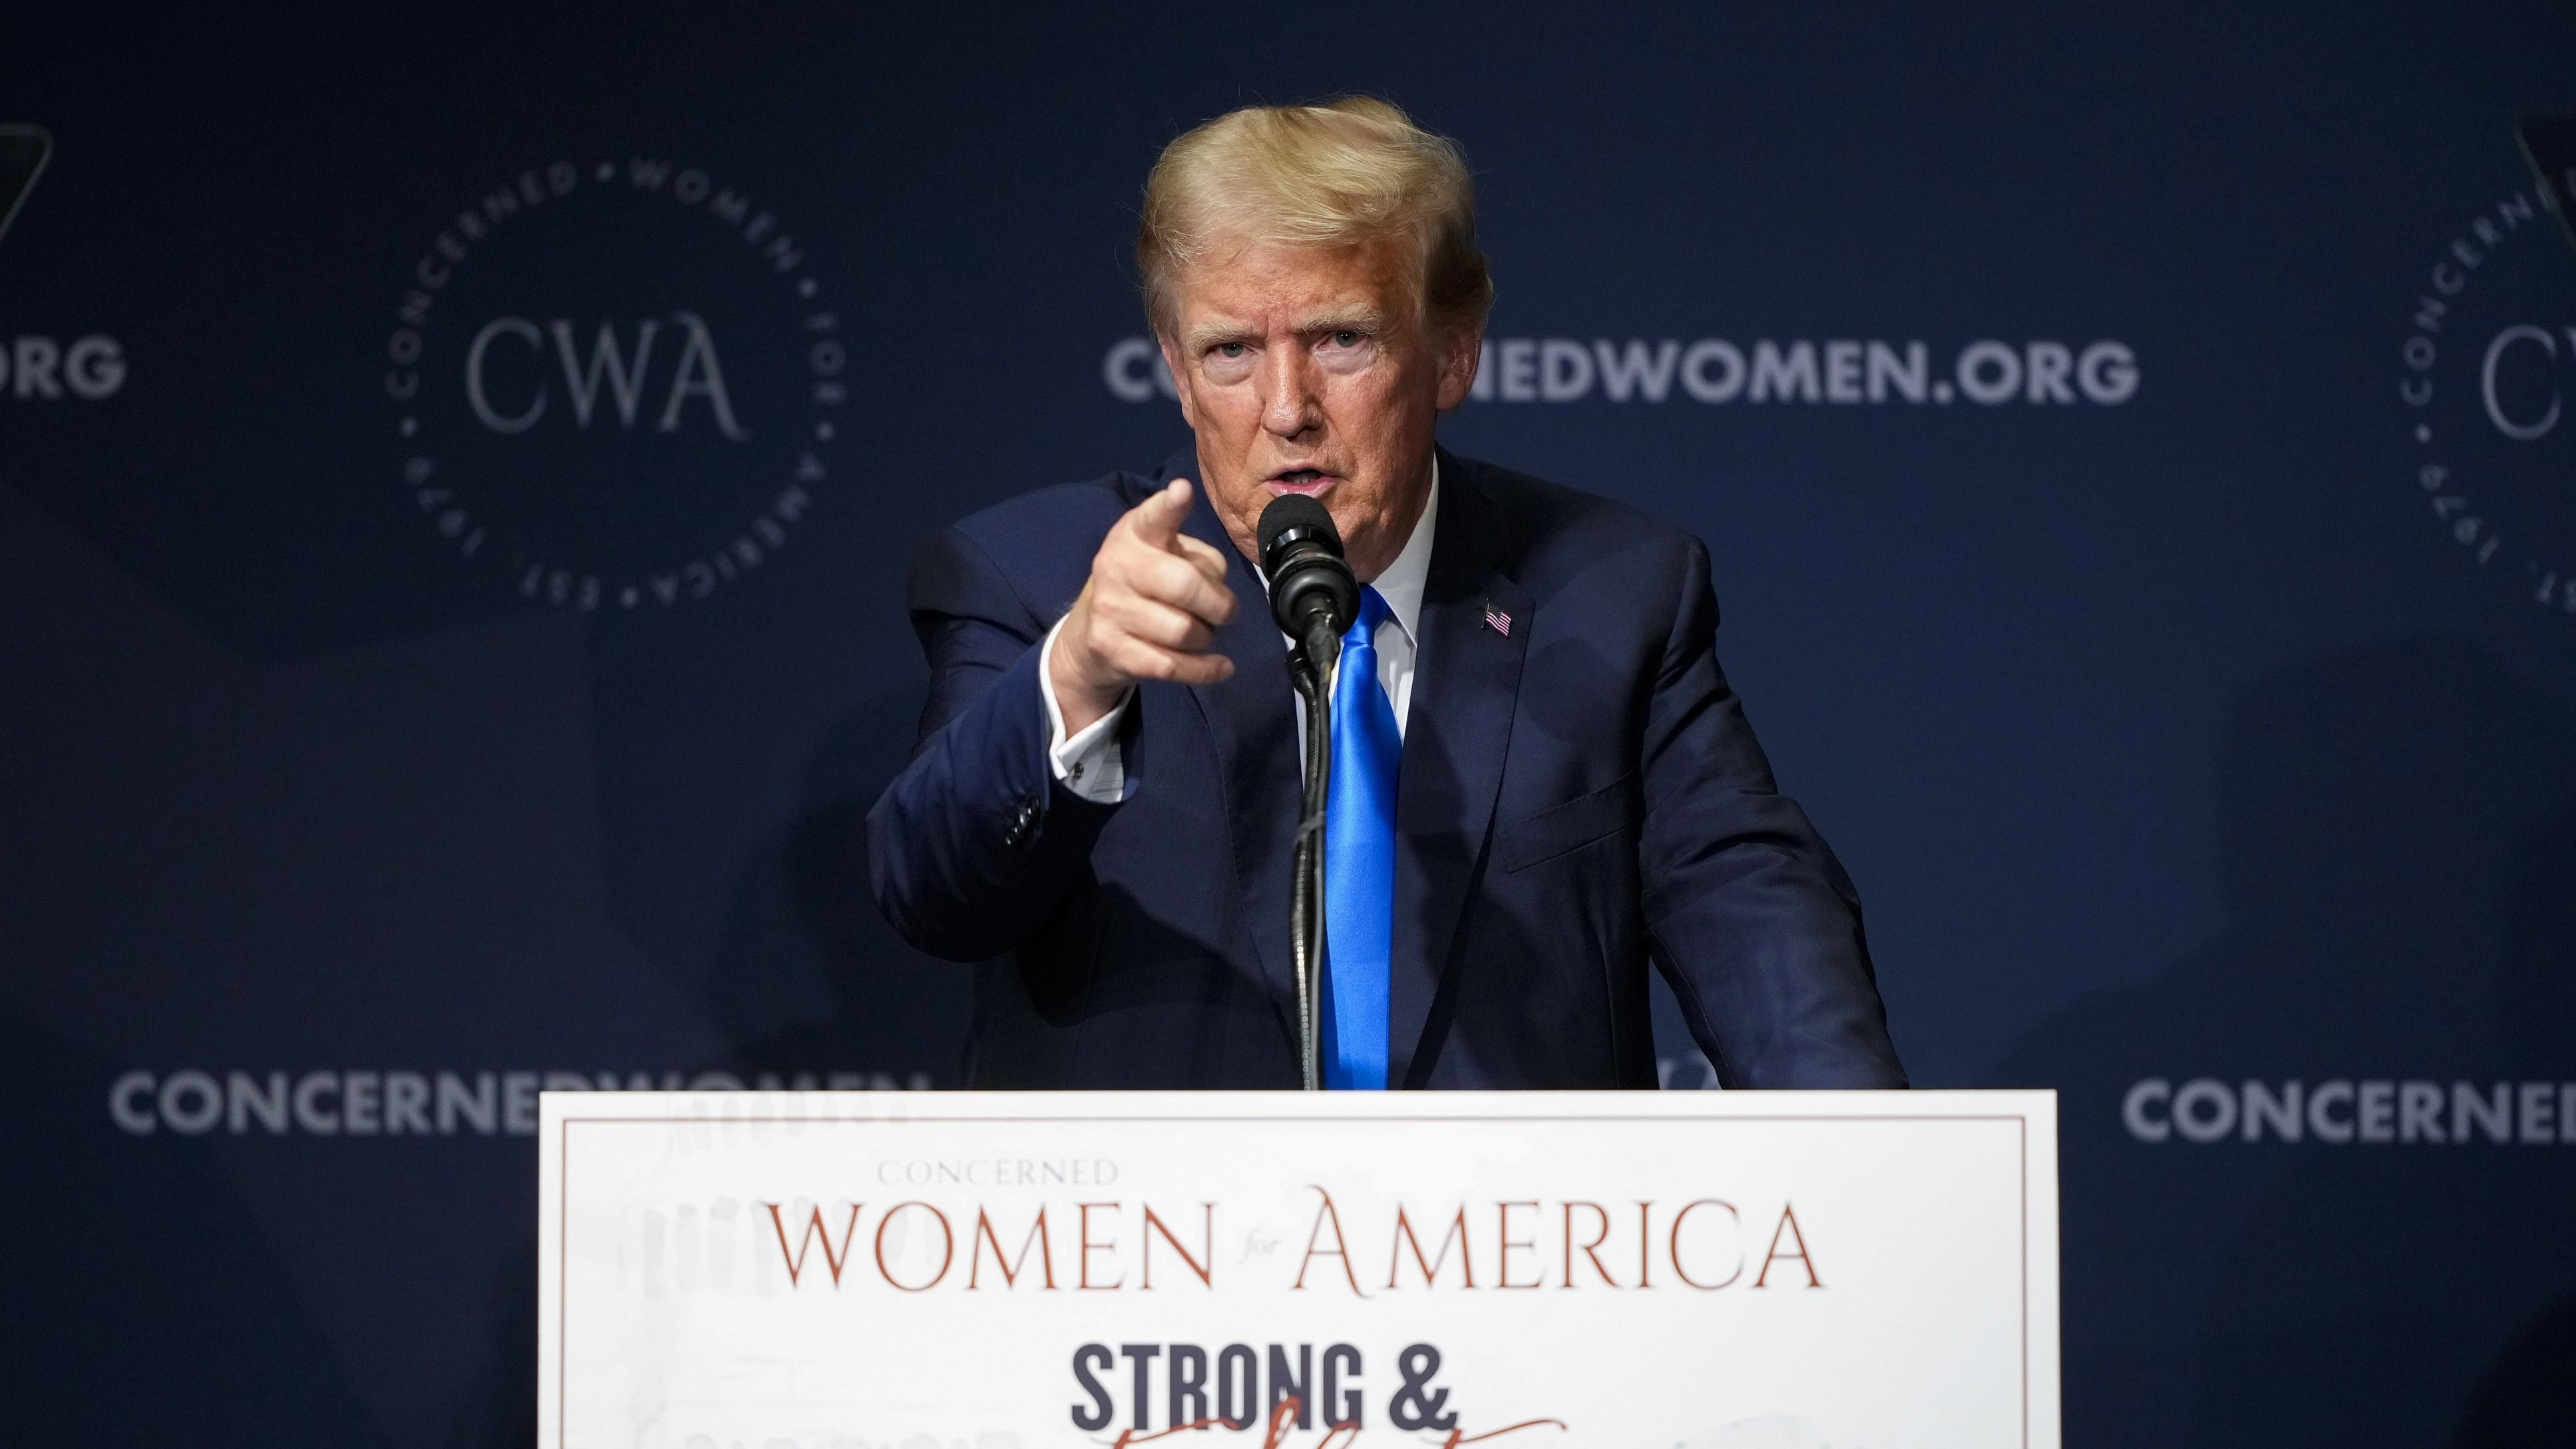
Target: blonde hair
<point>1338,174</point>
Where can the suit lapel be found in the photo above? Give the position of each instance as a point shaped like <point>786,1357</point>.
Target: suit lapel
<point>1466,689</point>
<point>1253,724</point>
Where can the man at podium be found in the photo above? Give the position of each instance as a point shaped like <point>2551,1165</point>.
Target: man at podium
<point>1540,779</point>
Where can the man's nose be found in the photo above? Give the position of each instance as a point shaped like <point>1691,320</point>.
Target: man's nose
<point>1291,402</point>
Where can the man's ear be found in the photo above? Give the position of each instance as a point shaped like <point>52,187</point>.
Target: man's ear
<point>1180,376</point>
<point>1460,352</point>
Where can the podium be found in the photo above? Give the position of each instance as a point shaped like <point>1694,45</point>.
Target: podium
<point>1717,1270</point>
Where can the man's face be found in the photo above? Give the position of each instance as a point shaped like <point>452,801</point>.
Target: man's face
<point>1311,371</point>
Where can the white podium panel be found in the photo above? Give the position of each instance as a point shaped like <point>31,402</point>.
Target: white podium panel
<point>1863,1270</point>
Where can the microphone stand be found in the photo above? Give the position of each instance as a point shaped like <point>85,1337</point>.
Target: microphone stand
<point>1313,677</point>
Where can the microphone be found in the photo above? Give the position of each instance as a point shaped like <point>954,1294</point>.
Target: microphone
<point>1313,594</point>
<point>1314,598</point>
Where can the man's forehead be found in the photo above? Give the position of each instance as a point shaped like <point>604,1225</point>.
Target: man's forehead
<point>1265,287</point>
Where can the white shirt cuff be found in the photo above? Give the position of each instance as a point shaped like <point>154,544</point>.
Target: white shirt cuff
<point>1089,764</point>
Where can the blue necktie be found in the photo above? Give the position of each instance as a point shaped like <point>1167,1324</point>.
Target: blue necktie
<point>1359,863</point>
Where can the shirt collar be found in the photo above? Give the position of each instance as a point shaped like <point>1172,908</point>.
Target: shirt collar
<point>1402,582</point>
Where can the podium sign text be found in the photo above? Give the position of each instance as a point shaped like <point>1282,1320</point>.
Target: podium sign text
<point>1235,1270</point>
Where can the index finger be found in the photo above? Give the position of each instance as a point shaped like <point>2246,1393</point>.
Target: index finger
<point>1158,519</point>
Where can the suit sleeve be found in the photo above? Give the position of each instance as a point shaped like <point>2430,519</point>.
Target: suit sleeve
<point>1755,924</point>
<point>973,845</point>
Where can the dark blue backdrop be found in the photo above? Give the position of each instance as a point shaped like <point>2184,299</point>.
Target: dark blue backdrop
<point>2193,714</point>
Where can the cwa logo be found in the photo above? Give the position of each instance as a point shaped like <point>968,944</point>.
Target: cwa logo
<point>2488,381</point>
<point>697,374</point>
<point>617,382</point>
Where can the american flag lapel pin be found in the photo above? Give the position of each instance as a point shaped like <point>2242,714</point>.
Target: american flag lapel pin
<point>1497,620</point>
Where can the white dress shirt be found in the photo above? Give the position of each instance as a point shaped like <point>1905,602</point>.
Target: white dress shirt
<point>1090,763</point>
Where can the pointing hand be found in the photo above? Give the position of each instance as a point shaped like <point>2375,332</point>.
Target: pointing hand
<point>1154,602</point>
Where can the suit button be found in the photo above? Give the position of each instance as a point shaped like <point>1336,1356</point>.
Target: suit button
<point>1023,825</point>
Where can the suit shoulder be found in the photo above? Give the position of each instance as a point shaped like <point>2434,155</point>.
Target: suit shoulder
<point>1037,545</point>
<point>1063,516</point>
<point>1550,531</point>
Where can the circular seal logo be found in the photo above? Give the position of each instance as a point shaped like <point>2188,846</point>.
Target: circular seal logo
<point>615,382</point>
<point>2489,385</point>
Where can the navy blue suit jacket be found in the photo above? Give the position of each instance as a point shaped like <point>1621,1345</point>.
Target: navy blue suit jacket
<point>1580,795</point>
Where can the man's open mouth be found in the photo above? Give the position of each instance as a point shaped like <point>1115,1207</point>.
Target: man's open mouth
<point>1301,480</point>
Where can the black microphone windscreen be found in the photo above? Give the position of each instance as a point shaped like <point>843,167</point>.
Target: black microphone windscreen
<point>1295,513</point>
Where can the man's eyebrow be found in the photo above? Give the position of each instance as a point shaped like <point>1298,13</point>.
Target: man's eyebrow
<point>1209,334</point>
<point>1357,319</point>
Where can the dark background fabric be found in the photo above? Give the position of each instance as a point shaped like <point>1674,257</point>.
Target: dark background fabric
<point>2188,735</point>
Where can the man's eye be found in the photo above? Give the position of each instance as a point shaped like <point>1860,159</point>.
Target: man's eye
<point>1229,349</point>
<point>1346,338</point>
